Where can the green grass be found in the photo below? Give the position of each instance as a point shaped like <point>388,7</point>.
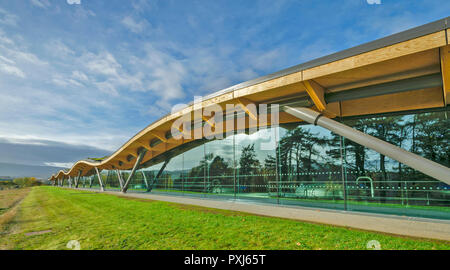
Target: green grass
<point>102,221</point>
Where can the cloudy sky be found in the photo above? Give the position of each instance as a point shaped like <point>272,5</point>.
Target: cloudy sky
<point>78,78</point>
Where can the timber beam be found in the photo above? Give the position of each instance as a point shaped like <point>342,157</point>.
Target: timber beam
<point>244,104</point>
<point>208,120</point>
<point>133,171</point>
<point>159,134</point>
<point>158,175</point>
<point>316,92</point>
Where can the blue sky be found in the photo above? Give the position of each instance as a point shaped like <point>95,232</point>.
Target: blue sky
<point>79,74</point>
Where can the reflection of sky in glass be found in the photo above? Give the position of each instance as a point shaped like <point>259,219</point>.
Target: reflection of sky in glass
<point>264,142</point>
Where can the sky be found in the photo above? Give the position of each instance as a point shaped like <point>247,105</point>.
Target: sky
<point>78,78</point>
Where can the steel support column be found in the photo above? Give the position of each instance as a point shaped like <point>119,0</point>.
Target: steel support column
<point>119,176</point>
<point>77,180</point>
<point>158,175</point>
<point>102,188</point>
<point>414,161</point>
<point>145,179</point>
<point>133,171</point>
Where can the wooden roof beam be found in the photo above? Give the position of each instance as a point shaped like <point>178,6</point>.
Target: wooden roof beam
<point>159,134</point>
<point>243,102</point>
<point>316,93</point>
<point>208,120</point>
<point>145,145</point>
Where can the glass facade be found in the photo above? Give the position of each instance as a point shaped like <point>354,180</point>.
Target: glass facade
<point>306,165</point>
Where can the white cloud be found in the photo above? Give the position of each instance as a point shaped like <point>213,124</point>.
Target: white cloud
<point>11,70</point>
<point>65,82</point>
<point>262,60</point>
<point>79,75</point>
<point>107,87</point>
<point>21,140</point>
<point>9,61</point>
<point>58,48</point>
<point>40,3</point>
<point>81,13</point>
<point>60,164</point>
<point>16,60</point>
<point>9,67</point>
<point>72,2</point>
<point>55,122</point>
<point>110,76</point>
<point>103,63</point>
<point>5,40</point>
<point>164,73</point>
<point>28,57</point>
<point>8,18</point>
<point>133,25</point>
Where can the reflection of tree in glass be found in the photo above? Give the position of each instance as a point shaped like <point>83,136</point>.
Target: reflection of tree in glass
<point>214,165</point>
<point>432,137</point>
<point>299,146</point>
<point>248,163</point>
<point>249,169</point>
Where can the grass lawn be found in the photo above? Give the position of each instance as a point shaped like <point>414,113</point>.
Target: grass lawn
<point>9,200</point>
<point>102,221</point>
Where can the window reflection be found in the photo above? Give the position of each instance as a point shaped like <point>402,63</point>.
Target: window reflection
<point>309,165</point>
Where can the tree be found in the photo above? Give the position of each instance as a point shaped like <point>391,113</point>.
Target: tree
<point>270,164</point>
<point>248,162</point>
<point>249,166</point>
<point>214,165</point>
<point>26,182</point>
<point>299,146</point>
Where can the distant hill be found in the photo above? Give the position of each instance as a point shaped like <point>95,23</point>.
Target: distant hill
<point>20,170</point>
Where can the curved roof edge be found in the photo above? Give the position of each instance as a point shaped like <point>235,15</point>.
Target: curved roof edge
<point>400,37</point>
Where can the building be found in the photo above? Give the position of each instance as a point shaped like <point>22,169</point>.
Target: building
<point>306,135</point>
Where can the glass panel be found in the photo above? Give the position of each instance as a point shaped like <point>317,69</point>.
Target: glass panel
<point>171,180</point>
<point>195,170</point>
<point>112,181</point>
<point>310,167</point>
<point>219,161</point>
<point>379,184</point>
<point>255,160</point>
<point>150,174</point>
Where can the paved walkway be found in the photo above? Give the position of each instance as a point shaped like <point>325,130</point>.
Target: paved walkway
<point>398,225</point>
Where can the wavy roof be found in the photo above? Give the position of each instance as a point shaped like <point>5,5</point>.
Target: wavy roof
<point>405,71</point>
